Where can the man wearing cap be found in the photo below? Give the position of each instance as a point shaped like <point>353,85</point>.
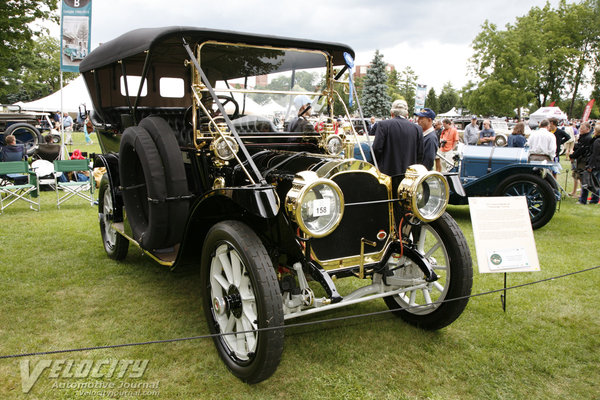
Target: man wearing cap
<point>472,132</point>
<point>300,123</point>
<point>430,140</point>
<point>398,142</point>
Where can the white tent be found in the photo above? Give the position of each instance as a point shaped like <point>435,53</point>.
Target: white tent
<point>545,113</point>
<point>74,94</point>
<point>450,114</point>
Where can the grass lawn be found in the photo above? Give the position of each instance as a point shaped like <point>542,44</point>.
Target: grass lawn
<point>60,291</point>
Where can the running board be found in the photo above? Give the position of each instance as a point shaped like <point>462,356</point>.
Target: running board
<point>164,257</point>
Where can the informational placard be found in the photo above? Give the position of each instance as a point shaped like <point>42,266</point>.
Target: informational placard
<point>75,26</point>
<point>504,240</point>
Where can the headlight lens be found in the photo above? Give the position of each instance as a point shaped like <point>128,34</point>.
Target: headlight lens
<point>222,150</point>
<point>316,205</point>
<point>423,192</point>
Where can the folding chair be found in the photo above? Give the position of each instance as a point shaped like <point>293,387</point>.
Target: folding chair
<point>71,189</point>
<point>10,192</point>
<point>47,151</point>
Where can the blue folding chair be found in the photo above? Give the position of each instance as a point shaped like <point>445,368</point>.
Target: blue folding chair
<point>75,188</point>
<point>11,191</point>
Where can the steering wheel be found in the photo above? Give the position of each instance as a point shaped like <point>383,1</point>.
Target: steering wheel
<point>213,109</point>
<point>224,99</point>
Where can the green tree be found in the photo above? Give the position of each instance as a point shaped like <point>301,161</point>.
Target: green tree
<point>546,55</point>
<point>431,101</point>
<point>375,99</point>
<point>394,85</point>
<point>408,87</point>
<point>18,34</point>
<point>448,98</point>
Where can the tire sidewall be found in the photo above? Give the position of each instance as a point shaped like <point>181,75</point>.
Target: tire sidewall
<point>270,342</point>
<point>543,187</point>
<point>121,246</point>
<point>459,279</point>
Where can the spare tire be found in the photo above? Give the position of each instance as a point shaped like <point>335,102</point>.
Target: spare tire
<point>144,188</point>
<point>176,181</point>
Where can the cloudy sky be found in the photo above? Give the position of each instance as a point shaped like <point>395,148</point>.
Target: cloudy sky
<point>431,36</point>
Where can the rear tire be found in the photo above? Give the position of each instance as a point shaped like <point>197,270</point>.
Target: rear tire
<point>241,293</point>
<point>541,200</point>
<point>115,244</point>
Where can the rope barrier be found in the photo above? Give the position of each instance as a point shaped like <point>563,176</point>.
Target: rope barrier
<point>295,325</point>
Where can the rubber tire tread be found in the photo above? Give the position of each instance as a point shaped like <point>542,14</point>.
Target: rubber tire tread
<point>119,251</point>
<point>34,131</point>
<point>140,164</point>
<point>545,189</point>
<point>176,180</point>
<point>461,279</point>
<point>267,293</point>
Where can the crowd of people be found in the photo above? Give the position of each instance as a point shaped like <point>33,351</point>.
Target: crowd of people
<point>403,140</point>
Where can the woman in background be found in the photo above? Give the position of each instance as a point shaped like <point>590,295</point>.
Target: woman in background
<point>517,138</point>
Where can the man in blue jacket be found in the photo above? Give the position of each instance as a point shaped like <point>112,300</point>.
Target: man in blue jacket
<point>430,140</point>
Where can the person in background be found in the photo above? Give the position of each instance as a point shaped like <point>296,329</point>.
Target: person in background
<point>437,125</point>
<point>398,142</point>
<point>542,145</point>
<point>594,162</point>
<point>11,150</point>
<point>67,123</point>
<point>87,129</point>
<point>471,136</point>
<point>560,136</point>
<point>570,130</point>
<point>579,158</point>
<point>301,123</point>
<point>487,134</point>
<point>430,141</point>
<point>448,141</point>
<point>372,129</point>
<point>517,138</point>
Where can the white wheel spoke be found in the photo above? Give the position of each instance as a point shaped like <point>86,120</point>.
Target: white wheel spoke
<point>226,265</point>
<point>433,249</point>
<point>438,286</point>
<point>413,296</point>
<point>427,296</point>
<point>240,339</point>
<point>236,268</point>
<point>250,336</point>
<point>422,237</point>
<point>220,279</point>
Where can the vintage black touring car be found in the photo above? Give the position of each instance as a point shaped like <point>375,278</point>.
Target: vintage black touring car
<point>201,173</point>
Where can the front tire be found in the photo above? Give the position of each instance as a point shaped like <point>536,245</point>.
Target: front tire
<point>445,247</point>
<point>541,200</point>
<point>240,294</point>
<point>115,244</point>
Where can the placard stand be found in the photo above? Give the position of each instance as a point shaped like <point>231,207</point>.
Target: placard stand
<point>503,296</point>
<point>503,236</point>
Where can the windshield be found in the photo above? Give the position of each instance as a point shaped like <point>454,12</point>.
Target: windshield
<point>264,88</point>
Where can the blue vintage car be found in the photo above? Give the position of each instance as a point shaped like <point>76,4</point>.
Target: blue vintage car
<point>506,171</point>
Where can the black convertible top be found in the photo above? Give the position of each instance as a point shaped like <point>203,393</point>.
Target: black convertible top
<point>168,42</point>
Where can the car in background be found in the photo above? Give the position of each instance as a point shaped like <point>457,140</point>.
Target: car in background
<point>23,125</point>
<point>506,171</point>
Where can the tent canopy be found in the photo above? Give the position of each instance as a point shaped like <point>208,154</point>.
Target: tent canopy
<point>74,94</point>
<point>450,114</point>
<point>547,112</point>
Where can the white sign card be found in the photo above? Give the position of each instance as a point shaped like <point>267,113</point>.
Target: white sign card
<point>503,235</point>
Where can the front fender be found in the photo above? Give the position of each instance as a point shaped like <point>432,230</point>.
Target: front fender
<point>252,204</point>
